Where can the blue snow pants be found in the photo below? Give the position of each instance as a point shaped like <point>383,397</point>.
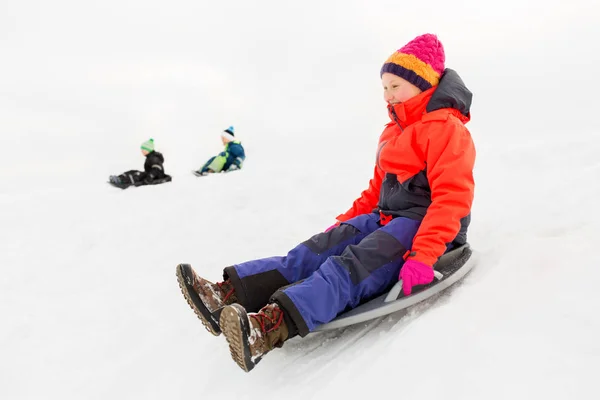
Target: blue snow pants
<point>329,273</point>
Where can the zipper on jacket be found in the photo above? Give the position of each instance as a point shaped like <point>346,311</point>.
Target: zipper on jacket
<point>395,118</point>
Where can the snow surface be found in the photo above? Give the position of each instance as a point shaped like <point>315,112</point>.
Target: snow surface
<point>89,303</point>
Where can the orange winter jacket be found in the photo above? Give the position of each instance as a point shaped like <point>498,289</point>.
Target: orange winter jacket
<point>424,168</point>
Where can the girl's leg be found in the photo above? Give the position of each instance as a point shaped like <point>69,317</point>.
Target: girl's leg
<point>255,281</point>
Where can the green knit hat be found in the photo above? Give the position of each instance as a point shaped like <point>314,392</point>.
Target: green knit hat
<point>148,145</point>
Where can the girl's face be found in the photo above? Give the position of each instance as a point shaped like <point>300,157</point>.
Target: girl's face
<point>397,90</point>
<point>145,152</point>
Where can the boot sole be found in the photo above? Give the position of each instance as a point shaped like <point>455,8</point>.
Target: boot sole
<point>184,277</point>
<point>236,328</point>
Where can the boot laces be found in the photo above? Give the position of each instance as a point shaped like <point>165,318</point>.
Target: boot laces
<point>264,320</point>
<point>226,284</point>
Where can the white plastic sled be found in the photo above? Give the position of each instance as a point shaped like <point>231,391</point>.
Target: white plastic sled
<point>450,268</point>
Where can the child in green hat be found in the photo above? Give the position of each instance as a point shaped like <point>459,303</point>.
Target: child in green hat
<point>153,170</point>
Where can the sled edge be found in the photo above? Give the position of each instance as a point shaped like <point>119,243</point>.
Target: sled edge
<point>378,307</point>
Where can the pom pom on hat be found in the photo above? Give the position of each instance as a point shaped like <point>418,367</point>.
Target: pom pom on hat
<point>148,145</point>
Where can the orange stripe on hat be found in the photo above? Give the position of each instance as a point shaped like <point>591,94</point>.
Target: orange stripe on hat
<point>412,63</point>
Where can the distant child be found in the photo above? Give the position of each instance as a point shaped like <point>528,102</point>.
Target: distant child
<point>230,159</point>
<point>153,170</point>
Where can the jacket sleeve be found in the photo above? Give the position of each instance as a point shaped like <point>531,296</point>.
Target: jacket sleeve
<point>450,160</point>
<point>154,167</point>
<point>368,198</point>
<point>236,156</point>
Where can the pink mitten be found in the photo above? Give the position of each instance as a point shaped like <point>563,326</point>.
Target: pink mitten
<point>415,273</point>
<point>332,226</point>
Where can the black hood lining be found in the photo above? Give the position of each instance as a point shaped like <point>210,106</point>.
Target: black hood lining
<point>451,92</point>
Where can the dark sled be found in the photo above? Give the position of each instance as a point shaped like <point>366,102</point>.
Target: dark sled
<point>167,178</point>
<point>450,268</point>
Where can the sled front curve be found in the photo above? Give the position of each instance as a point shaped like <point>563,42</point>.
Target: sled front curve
<point>450,268</point>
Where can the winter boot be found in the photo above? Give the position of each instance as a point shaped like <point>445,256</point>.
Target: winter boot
<point>204,297</point>
<point>251,336</point>
<point>118,182</point>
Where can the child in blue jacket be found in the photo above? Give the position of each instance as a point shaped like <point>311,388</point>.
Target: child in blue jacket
<point>230,159</point>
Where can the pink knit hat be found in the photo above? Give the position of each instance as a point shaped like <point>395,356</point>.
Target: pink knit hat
<point>420,61</point>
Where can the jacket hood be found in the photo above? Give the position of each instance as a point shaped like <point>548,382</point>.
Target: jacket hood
<point>155,154</point>
<point>451,92</point>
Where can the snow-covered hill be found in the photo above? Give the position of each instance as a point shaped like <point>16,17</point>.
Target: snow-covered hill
<point>89,304</point>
